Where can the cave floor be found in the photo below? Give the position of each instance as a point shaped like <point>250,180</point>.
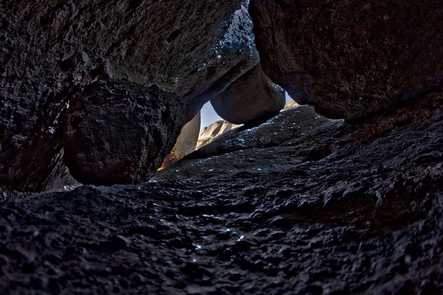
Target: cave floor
<point>327,208</point>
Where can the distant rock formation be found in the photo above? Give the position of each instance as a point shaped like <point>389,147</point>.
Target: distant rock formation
<point>211,132</point>
<point>192,138</point>
<point>290,104</point>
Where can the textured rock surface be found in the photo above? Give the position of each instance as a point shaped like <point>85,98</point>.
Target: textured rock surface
<point>348,59</point>
<point>351,58</point>
<point>50,50</point>
<point>294,136</point>
<point>338,208</point>
<point>118,133</point>
<point>252,96</point>
<point>300,204</point>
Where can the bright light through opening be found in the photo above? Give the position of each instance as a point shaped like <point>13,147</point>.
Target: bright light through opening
<point>209,116</point>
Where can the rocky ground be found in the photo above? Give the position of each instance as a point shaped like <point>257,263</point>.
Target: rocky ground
<point>300,204</point>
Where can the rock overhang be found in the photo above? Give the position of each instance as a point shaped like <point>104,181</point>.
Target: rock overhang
<point>61,48</point>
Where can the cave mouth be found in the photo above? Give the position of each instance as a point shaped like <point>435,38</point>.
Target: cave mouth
<point>211,126</point>
<point>209,115</point>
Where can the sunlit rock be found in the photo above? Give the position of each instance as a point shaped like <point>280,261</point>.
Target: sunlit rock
<point>186,142</point>
<point>211,132</point>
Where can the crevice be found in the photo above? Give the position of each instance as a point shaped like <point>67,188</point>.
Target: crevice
<point>173,36</point>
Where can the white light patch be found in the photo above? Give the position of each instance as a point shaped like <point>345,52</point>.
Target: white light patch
<point>208,115</point>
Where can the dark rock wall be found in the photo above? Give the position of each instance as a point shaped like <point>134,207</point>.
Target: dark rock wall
<point>351,58</point>
<point>348,59</point>
<point>52,49</point>
<point>138,40</point>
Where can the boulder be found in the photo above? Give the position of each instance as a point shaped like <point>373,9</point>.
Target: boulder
<point>251,97</point>
<point>118,133</point>
<point>351,58</point>
<point>53,50</point>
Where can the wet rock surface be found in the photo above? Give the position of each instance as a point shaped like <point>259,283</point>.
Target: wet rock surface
<point>353,208</point>
<point>351,58</point>
<point>51,51</point>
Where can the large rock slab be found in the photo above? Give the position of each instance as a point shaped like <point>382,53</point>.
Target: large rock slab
<point>351,58</point>
<point>251,97</point>
<point>51,50</point>
<point>286,140</point>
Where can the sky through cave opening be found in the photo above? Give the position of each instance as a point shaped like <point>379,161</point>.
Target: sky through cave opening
<point>209,116</point>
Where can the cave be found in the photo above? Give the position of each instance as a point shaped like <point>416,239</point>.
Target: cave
<point>107,188</point>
